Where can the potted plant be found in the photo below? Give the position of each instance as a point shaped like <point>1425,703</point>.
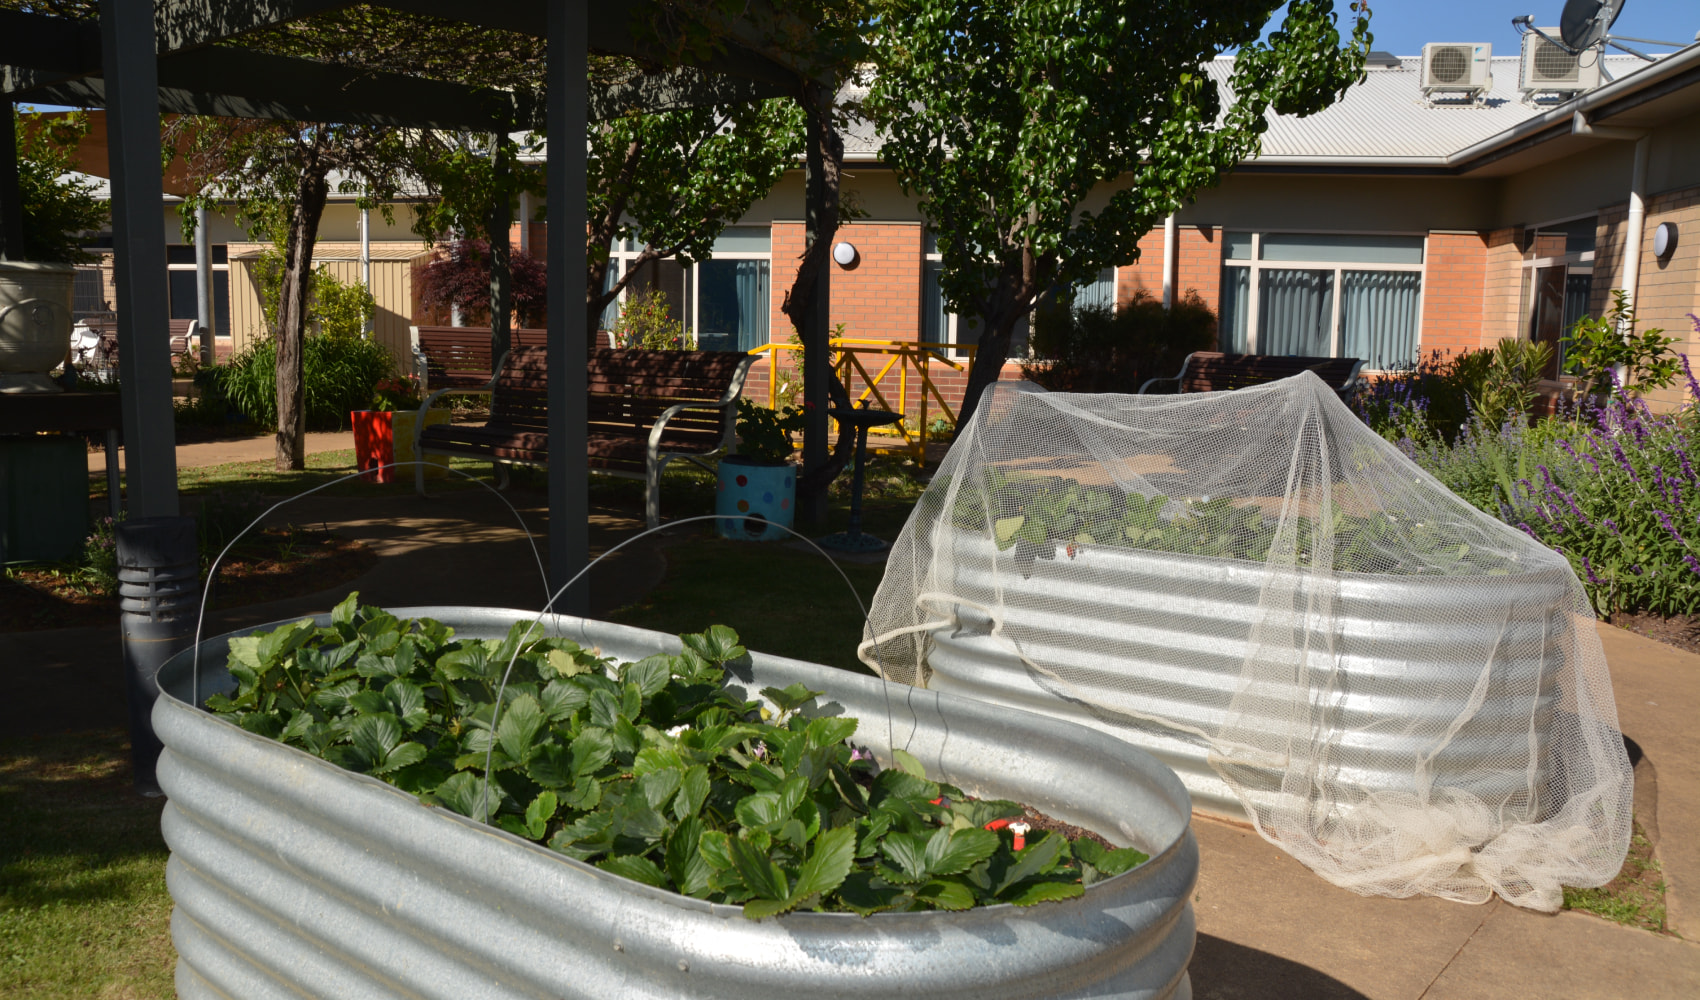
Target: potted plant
<point>757,487</point>
<point>385,433</point>
<point>36,278</point>
<point>289,869</point>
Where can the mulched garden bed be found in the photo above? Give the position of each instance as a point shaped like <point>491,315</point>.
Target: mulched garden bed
<point>1681,631</point>
<point>279,563</point>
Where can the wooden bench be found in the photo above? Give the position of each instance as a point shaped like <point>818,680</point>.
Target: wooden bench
<point>646,409</point>
<point>458,357</point>
<point>1213,371</point>
<point>181,332</point>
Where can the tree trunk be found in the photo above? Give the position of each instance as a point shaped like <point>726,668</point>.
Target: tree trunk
<point>501,269</point>
<point>1017,288</point>
<point>601,235</point>
<point>807,304</point>
<point>310,195</point>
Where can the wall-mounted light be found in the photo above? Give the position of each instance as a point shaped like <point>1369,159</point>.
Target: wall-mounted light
<point>1664,240</point>
<point>845,254</point>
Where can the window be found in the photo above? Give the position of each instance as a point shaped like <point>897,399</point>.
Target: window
<point>723,302</point>
<point>941,327</point>
<point>180,273</point>
<point>1558,282</point>
<point>1322,295</point>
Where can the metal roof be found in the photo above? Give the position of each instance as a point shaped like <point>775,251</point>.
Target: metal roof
<point>1387,116</point>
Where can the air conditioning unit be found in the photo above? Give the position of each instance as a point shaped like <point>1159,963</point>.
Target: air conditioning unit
<point>1548,69</point>
<point>1452,68</point>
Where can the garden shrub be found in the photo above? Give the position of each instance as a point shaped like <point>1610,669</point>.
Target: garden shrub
<point>646,321</point>
<point>1597,346</point>
<point>1438,395</point>
<point>1612,486</point>
<point>339,374</point>
<point>1095,349</point>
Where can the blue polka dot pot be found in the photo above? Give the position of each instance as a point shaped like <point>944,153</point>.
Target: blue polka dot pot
<point>756,500</point>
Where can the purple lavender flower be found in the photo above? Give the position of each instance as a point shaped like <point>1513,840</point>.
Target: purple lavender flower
<point>1588,568</point>
<point>1610,526</point>
<point>1664,520</point>
<point>1693,563</point>
<point>1522,526</point>
<point>1693,386</point>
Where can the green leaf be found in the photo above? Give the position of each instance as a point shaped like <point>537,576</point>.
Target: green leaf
<point>908,852</point>
<point>464,793</point>
<point>375,736</point>
<point>716,850</point>
<point>950,852</point>
<point>566,664</point>
<point>690,871</point>
<point>343,613</point>
<point>693,791</point>
<point>592,750</point>
<point>539,813</point>
<point>718,645</point>
<point>908,763</point>
<point>407,701</point>
<point>1038,857</point>
<point>552,766</point>
<point>650,675</point>
<point>946,894</point>
<point>826,868</point>
<point>517,733</point>
<point>866,892</point>
<point>658,786</point>
<point>586,793</point>
<point>245,650</point>
<point>404,755</point>
<point>760,874</point>
<point>829,732</point>
<point>638,869</point>
<point>1044,892</point>
<point>791,697</point>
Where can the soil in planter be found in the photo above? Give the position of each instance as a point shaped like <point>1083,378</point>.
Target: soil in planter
<point>280,562</point>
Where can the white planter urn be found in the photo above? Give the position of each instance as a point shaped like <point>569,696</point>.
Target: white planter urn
<point>35,323</point>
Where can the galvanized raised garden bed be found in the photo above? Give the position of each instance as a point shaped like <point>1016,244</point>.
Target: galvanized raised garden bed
<point>1395,638</point>
<point>292,877</point>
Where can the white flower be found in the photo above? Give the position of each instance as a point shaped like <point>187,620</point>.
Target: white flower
<point>676,730</point>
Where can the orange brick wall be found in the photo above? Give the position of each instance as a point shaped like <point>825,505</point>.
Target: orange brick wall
<point>1453,281</point>
<point>1502,286</point>
<point>1198,266</point>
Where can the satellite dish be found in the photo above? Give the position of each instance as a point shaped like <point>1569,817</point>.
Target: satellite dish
<point>1584,23</point>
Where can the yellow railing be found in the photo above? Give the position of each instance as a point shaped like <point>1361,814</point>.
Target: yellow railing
<point>904,355</point>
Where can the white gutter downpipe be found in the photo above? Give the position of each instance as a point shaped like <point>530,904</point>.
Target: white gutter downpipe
<point>1169,233</point>
<point>1636,224</point>
<point>366,258</point>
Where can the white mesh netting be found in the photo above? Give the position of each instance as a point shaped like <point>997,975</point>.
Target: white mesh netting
<point>1400,691</point>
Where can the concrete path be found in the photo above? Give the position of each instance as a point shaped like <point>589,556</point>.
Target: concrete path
<point>252,449</point>
<point>1270,930</point>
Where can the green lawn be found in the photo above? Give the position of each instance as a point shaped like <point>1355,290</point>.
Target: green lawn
<point>83,906</point>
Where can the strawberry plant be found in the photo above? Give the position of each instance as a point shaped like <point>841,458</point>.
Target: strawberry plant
<point>651,770</point>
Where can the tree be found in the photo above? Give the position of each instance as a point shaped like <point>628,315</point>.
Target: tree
<point>1003,117</point>
<point>278,173</point>
<point>57,209</point>
<point>674,179</point>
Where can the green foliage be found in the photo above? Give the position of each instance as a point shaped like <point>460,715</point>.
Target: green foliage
<point>340,374</point>
<point>1097,349</point>
<point>647,322</point>
<point>333,307</point>
<point>1004,118</point>
<point>650,770</point>
<point>1611,486</point>
<point>1435,398</point>
<point>1502,382</point>
<point>1044,517</point>
<point>1598,345</point>
<point>57,210</point>
<point>766,434</point>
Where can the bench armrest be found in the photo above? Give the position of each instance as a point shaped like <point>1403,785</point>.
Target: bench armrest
<point>1153,381</point>
<point>734,389</point>
<point>425,407</point>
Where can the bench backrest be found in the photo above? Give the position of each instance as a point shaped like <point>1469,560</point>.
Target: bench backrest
<point>1212,371</point>
<point>629,389</point>
<point>465,350</point>
<point>177,330</point>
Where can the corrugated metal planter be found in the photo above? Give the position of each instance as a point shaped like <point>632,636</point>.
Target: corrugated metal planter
<point>292,877</point>
<point>1199,610</point>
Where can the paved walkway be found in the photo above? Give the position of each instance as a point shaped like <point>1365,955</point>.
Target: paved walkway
<point>254,449</point>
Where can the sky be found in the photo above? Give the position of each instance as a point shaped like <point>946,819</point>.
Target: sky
<point>1403,26</point>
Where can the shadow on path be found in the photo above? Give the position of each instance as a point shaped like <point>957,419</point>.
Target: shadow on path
<point>1223,970</point>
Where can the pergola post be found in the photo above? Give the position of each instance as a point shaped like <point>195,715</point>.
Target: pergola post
<point>501,262</point>
<point>204,287</point>
<point>155,544</point>
<point>138,239</point>
<point>11,198</point>
<point>569,413</point>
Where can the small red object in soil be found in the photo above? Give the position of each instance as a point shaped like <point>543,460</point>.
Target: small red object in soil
<point>997,824</point>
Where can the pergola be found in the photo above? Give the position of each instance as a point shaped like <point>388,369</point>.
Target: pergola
<point>148,56</point>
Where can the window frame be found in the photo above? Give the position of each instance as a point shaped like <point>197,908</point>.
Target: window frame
<point>190,267</point>
<point>620,256</point>
<point>1256,265</point>
<point>1581,262</point>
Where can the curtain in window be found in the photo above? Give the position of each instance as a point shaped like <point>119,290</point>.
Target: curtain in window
<point>1294,311</point>
<point>1236,310</point>
<point>1100,292</point>
<point>935,327</point>
<point>1578,288</point>
<point>611,312</point>
<point>1378,317</point>
<point>732,311</point>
